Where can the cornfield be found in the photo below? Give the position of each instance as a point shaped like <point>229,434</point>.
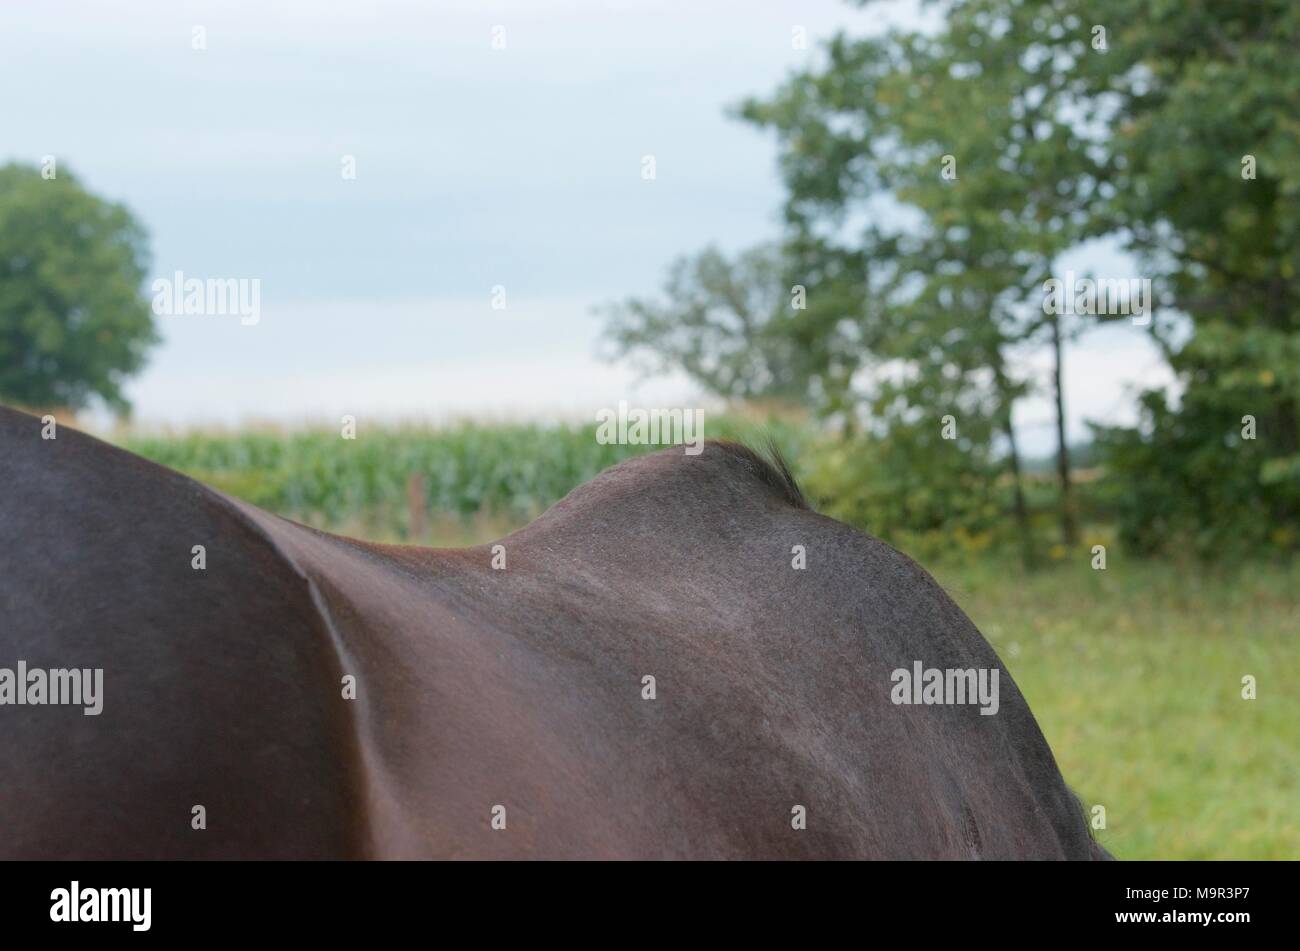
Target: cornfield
<point>510,472</point>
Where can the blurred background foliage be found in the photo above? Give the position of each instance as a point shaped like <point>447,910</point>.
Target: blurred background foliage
<point>74,323</point>
<point>934,181</point>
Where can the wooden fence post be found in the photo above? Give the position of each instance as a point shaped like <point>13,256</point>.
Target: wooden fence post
<point>415,508</point>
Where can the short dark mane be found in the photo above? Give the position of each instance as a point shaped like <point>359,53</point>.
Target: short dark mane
<point>769,467</point>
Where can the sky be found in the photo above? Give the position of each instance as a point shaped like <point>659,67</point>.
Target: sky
<point>476,168</point>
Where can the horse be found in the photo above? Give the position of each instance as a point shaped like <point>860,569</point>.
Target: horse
<point>680,659</point>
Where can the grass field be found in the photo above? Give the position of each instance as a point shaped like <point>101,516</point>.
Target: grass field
<point>1134,673</point>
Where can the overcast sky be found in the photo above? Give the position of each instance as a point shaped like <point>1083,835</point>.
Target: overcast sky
<point>475,167</point>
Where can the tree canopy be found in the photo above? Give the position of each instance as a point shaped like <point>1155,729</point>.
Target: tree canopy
<point>934,181</point>
<point>74,320</point>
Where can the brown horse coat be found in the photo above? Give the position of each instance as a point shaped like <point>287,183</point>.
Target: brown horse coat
<point>487,697</point>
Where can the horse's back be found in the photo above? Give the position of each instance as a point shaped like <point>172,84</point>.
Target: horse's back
<point>220,731</point>
<point>679,659</point>
<point>772,634</point>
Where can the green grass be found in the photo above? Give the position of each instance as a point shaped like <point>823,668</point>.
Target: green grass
<point>1134,674</point>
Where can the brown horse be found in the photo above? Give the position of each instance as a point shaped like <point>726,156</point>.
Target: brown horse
<point>679,659</point>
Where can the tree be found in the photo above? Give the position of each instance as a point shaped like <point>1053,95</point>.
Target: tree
<point>935,180</point>
<point>74,319</point>
<point>1204,139</point>
<point>722,321</point>
<point>971,134</point>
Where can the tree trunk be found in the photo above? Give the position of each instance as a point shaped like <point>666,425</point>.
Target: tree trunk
<point>1069,533</point>
<point>1027,554</point>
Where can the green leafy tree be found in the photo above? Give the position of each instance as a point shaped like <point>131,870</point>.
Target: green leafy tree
<point>74,319</point>
<point>724,322</point>
<point>1205,99</point>
<point>996,92</point>
<point>970,135</point>
<point>935,180</point>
